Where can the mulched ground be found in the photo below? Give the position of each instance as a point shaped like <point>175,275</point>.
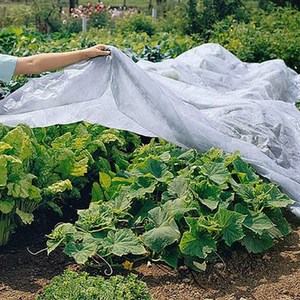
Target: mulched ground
<point>272,275</point>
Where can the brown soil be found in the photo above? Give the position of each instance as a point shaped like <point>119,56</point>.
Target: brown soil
<point>272,275</point>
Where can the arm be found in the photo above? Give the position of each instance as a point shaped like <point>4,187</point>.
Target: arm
<point>50,61</point>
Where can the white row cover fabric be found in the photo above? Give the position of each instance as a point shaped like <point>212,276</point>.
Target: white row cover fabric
<point>204,98</point>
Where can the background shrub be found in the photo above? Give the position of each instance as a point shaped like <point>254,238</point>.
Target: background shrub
<point>266,36</point>
<point>136,23</point>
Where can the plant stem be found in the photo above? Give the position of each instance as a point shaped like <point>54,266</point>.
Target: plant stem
<point>5,228</point>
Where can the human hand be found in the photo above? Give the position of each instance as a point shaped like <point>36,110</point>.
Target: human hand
<point>98,50</point>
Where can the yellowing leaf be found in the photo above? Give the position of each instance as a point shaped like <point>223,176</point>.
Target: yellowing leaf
<point>59,187</point>
<point>80,167</point>
<point>127,265</point>
<point>4,146</point>
<point>20,142</point>
<point>26,218</point>
<point>105,180</point>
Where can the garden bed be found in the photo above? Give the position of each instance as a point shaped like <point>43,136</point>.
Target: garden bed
<point>274,274</point>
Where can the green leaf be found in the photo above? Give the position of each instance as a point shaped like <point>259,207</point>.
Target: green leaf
<point>209,194</point>
<point>141,212</point>
<point>122,242</point>
<point>216,172</point>
<point>243,171</point>
<point>55,208</point>
<point>193,263</point>
<point>52,245</point>
<point>231,225</point>
<point>159,217</point>
<point>103,165</point>
<point>281,223</point>
<point>278,199</point>
<point>158,238</point>
<point>245,191</point>
<point>213,155</point>
<point>258,223</point>
<point>95,217</point>
<point>176,209</point>
<point>26,218</point>
<point>61,233</point>
<point>20,189</point>
<point>200,266</point>
<point>6,206</point>
<point>188,155</point>
<point>141,187</point>
<point>96,144</point>
<point>105,180</point>
<point>112,136</point>
<point>34,193</point>
<point>64,159</point>
<point>81,252</point>
<point>257,243</point>
<point>80,143</point>
<point>3,171</point>
<point>120,205</point>
<point>97,193</point>
<point>197,243</point>
<point>231,158</point>
<point>170,256</point>
<point>179,187</point>
<point>165,156</point>
<point>211,203</point>
<point>156,168</point>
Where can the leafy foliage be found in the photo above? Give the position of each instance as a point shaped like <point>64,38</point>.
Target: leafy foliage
<point>136,23</point>
<point>41,166</point>
<point>257,40</point>
<point>71,286</point>
<point>176,206</point>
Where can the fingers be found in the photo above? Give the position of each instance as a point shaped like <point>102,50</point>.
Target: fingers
<point>104,53</point>
<point>101,47</point>
<point>98,50</point>
<point>104,50</point>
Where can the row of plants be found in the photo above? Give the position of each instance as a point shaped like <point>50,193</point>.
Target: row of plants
<point>176,206</point>
<point>156,201</point>
<point>53,166</point>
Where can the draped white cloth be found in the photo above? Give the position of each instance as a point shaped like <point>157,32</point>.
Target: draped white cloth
<point>204,98</point>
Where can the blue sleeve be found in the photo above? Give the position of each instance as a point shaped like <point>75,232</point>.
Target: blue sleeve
<point>7,67</point>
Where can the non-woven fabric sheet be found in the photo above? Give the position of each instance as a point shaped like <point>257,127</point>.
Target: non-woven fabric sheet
<point>206,97</point>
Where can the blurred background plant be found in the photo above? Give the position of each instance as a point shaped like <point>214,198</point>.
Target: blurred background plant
<point>254,30</point>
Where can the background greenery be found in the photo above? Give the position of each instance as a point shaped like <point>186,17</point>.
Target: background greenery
<point>255,31</point>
